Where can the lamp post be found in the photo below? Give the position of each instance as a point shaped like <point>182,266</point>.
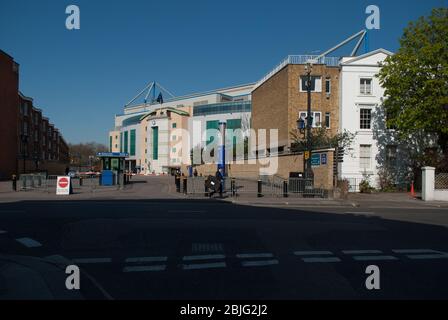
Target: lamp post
<point>309,143</point>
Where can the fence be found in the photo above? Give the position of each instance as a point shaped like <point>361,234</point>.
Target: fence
<point>441,181</point>
<point>47,183</point>
<point>270,186</point>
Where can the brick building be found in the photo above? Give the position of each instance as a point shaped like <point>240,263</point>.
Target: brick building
<point>280,99</point>
<point>29,142</point>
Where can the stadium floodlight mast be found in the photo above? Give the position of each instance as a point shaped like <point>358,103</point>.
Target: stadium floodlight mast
<point>309,119</point>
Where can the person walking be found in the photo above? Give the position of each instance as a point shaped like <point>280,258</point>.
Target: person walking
<point>220,177</point>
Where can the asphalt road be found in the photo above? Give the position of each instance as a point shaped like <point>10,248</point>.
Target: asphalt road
<point>173,248</point>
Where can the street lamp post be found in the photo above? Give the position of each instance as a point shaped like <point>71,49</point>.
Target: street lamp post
<point>309,143</point>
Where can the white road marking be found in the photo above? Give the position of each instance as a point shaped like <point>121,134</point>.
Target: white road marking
<point>324,260</point>
<point>415,251</point>
<point>374,258</point>
<point>144,268</point>
<point>259,263</point>
<point>428,256</point>
<point>30,243</point>
<point>359,212</point>
<point>92,260</point>
<point>254,255</point>
<point>361,251</point>
<point>146,259</point>
<point>431,254</point>
<point>198,266</point>
<point>204,257</point>
<point>3,231</point>
<point>187,211</point>
<point>311,253</point>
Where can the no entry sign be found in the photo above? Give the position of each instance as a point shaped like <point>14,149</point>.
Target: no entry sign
<point>63,186</point>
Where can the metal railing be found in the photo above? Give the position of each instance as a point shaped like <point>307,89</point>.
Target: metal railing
<point>270,186</point>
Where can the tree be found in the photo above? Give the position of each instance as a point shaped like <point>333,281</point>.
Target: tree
<point>416,81</point>
<point>84,154</point>
<point>320,139</point>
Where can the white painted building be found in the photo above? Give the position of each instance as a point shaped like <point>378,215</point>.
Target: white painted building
<point>360,112</point>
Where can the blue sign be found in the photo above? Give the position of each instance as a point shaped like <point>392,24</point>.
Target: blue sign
<point>113,154</point>
<point>315,159</point>
<point>323,158</point>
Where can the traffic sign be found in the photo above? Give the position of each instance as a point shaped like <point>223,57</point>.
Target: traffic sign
<point>307,155</point>
<point>63,186</point>
<point>323,158</point>
<point>315,159</point>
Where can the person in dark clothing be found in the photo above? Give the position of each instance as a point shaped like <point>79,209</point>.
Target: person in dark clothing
<point>220,177</point>
<point>195,173</point>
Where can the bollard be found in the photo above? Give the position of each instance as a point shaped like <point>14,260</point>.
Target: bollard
<point>285,189</point>
<point>260,189</point>
<point>14,182</point>
<point>80,181</point>
<point>232,187</point>
<point>185,185</point>
<point>205,190</point>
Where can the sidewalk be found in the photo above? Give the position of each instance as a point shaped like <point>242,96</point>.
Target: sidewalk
<point>390,200</point>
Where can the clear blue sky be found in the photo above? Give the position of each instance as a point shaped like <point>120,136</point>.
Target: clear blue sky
<point>81,79</point>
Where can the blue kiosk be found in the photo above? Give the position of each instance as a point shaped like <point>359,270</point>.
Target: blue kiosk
<point>112,168</point>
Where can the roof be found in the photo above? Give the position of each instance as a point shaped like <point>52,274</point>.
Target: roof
<point>132,120</point>
<point>198,94</point>
<point>368,54</point>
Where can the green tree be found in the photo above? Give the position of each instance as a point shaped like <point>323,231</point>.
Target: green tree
<point>416,81</point>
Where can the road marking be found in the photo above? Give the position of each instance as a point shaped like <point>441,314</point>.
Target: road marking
<point>204,257</point>
<point>259,263</point>
<point>324,260</point>
<point>415,251</point>
<point>311,253</point>
<point>92,260</point>
<point>431,254</point>
<point>374,258</point>
<point>187,211</point>
<point>30,243</point>
<point>361,251</point>
<point>3,231</point>
<point>198,266</point>
<point>144,268</point>
<point>254,255</point>
<point>146,259</point>
<point>359,212</point>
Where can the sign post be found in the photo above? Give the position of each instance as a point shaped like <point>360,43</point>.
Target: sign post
<point>63,185</point>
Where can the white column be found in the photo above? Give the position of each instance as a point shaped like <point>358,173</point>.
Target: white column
<point>428,183</point>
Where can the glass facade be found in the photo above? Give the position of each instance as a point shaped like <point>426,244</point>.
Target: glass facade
<point>126,141</point>
<point>224,107</point>
<point>155,143</point>
<point>121,141</point>
<point>132,151</point>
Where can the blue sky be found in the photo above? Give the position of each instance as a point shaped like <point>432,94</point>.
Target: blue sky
<point>82,78</point>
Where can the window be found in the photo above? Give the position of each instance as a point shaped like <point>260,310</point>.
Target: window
<point>126,141</point>
<point>365,86</point>
<point>391,155</point>
<point>132,151</point>
<point>174,125</point>
<point>364,156</point>
<point>328,86</point>
<point>174,137</point>
<point>25,128</point>
<point>327,120</point>
<point>110,143</point>
<point>155,143</point>
<point>365,118</point>
<point>173,150</point>
<point>316,83</point>
<point>121,141</point>
<point>317,118</point>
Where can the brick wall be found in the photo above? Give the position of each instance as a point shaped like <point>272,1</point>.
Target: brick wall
<point>9,79</point>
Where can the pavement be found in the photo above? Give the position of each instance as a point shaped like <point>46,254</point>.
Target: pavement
<point>148,242</point>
